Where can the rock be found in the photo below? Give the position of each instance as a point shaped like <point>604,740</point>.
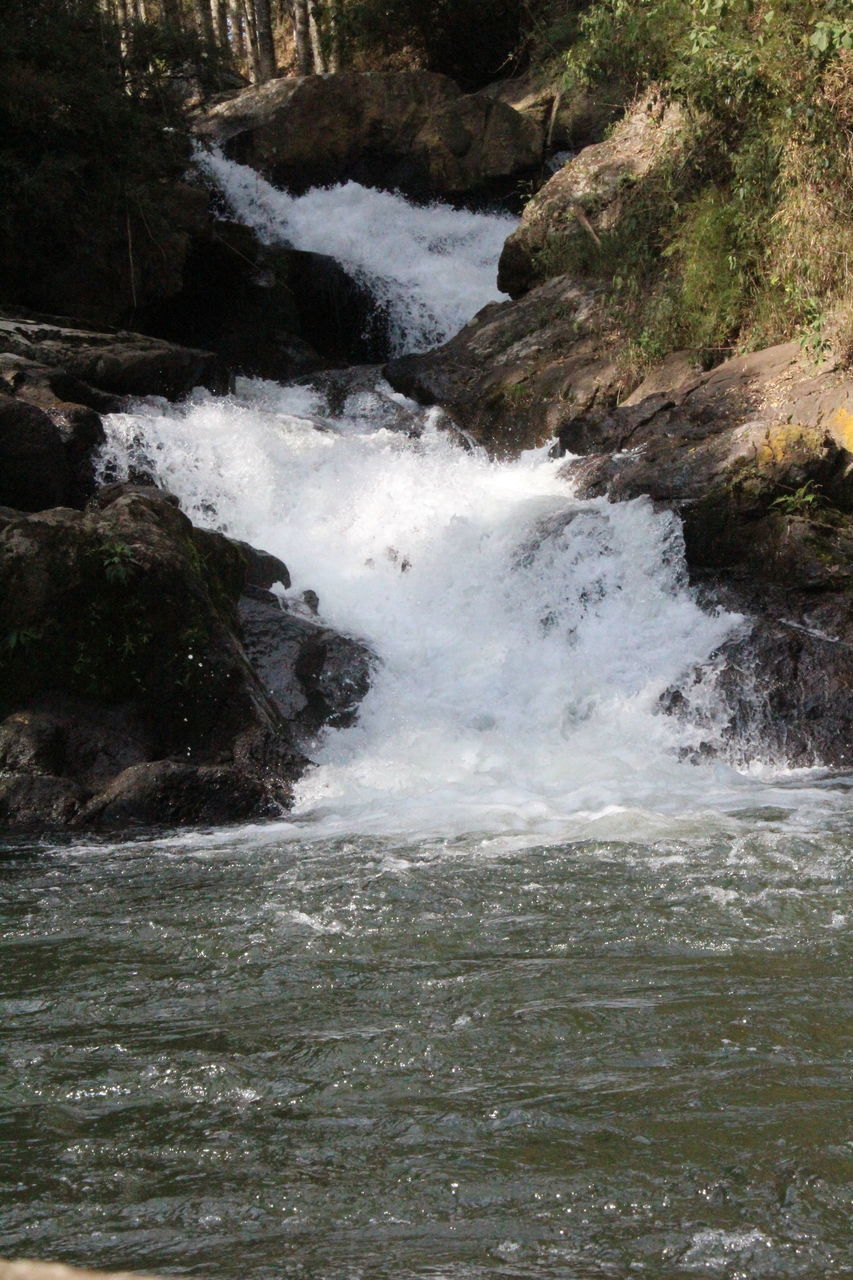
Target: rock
<point>127,691</point>
<point>34,466</point>
<point>269,310</point>
<point>165,793</point>
<point>27,1269</point>
<point>787,680</point>
<point>116,362</point>
<point>586,198</point>
<point>33,801</point>
<point>78,425</point>
<point>119,646</point>
<point>411,131</point>
<point>263,569</point>
<point>34,741</point>
<point>518,369</point>
<point>314,675</point>
<point>567,120</point>
<point>48,387</point>
<point>756,427</point>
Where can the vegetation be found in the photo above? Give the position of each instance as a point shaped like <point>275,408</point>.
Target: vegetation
<point>750,241</point>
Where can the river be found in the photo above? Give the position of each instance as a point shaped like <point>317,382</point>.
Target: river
<point>529,984</point>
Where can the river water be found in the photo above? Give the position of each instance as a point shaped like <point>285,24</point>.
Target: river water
<point>519,989</point>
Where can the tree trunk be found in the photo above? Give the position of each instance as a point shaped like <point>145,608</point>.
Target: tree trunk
<point>204,23</point>
<point>254,54</point>
<point>334,36</point>
<point>238,33</point>
<point>223,35</point>
<point>266,48</point>
<point>316,43</point>
<point>172,15</point>
<point>304,64</point>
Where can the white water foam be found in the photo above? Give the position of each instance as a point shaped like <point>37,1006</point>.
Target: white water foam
<point>525,637</point>
<point>430,268</point>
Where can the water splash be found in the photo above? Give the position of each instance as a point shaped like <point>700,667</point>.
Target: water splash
<point>525,637</point>
<point>429,268</point>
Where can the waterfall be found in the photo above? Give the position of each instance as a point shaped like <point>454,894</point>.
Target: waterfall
<point>428,268</point>
<point>525,638</point>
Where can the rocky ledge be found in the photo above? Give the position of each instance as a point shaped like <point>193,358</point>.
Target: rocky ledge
<point>757,457</point>
<point>413,131</point>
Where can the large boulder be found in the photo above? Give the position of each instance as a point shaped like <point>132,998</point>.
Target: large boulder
<point>413,131</point>
<point>268,310</point>
<point>568,119</point>
<point>518,368</point>
<point>126,692</point>
<point>586,199</point>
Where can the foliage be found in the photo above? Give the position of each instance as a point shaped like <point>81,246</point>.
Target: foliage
<point>83,153</point>
<point>755,244</point>
<point>800,501</point>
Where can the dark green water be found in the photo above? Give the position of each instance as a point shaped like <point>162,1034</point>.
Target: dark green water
<point>245,1056</point>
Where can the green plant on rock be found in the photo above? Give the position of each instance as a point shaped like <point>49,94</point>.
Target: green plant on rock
<point>800,501</point>
<point>118,561</point>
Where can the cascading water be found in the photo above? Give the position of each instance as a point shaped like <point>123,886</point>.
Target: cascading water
<point>524,638</point>
<point>524,650</point>
<point>429,269</point>
<point>517,990</point>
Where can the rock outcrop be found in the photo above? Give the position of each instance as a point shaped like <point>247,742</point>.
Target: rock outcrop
<point>518,369</point>
<point>268,310</point>
<point>126,692</point>
<point>587,197</point>
<point>115,361</point>
<point>411,131</point>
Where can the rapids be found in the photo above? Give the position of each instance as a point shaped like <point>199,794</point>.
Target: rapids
<point>518,990</point>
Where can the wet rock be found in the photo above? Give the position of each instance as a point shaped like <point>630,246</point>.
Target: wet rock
<point>128,694</point>
<point>166,793</point>
<point>120,647</point>
<point>263,569</point>
<point>48,387</point>
<point>757,457</point>
<point>268,310</point>
<point>77,423</point>
<point>34,466</point>
<point>410,131</point>
<point>109,493</point>
<point>33,741</point>
<point>314,675</point>
<point>33,801</point>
